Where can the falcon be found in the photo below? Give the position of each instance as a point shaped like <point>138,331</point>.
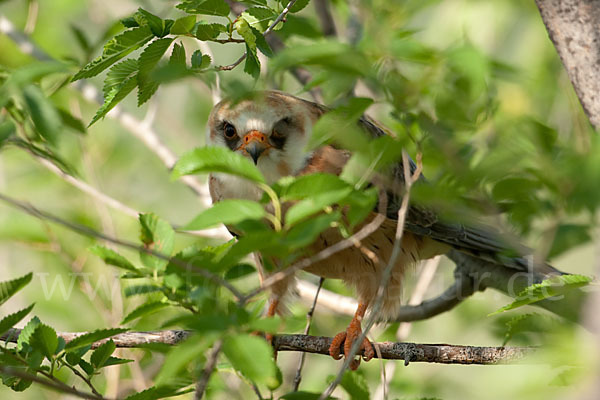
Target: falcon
<point>273,129</point>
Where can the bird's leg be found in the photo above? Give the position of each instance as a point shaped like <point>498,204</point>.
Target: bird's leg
<point>273,303</point>
<point>348,337</point>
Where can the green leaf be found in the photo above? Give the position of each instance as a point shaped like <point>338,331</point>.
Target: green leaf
<point>26,332</point>
<point>159,392</point>
<point>252,64</point>
<point>7,129</point>
<point>43,113</point>
<point>551,287</point>
<point>156,234</point>
<point>305,232</point>
<point>569,236</point>
<point>178,56</point>
<point>91,337</point>
<point>44,339</point>
<point>314,204</point>
<point>9,288</point>
<point>156,24</point>
<point>227,212</point>
<point>147,62</point>
<point>144,310</point>
<point>74,357</point>
<point>11,319</point>
<point>262,45</point>
<point>252,357</point>
<point>196,59</point>
<point>69,120</point>
<point>355,385</point>
<point>259,18</point>
<point>86,367</point>
<point>102,354</point>
<point>239,271</point>
<point>217,159</point>
<point>204,31</point>
<point>298,5</point>
<point>119,82</point>
<point>113,258</point>
<point>135,290</point>
<point>180,356</point>
<point>243,28</point>
<point>183,25</point>
<point>117,48</point>
<point>116,361</point>
<point>205,7</point>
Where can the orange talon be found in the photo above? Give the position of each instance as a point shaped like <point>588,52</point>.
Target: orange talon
<point>348,338</point>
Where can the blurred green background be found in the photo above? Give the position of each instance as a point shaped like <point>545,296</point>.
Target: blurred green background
<point>522,80</point>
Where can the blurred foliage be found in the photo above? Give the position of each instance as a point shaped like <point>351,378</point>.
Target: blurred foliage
<point>475,87</point>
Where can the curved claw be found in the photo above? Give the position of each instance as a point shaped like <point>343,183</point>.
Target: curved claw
<point>348,337</point>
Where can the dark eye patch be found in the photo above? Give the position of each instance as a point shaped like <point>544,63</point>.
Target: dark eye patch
<point>281,131</point>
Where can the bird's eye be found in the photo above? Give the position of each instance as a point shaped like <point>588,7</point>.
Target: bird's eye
<point>229,131</point>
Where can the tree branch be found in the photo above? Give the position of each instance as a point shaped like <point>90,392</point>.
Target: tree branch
<point>409,352</point>
<point>573,27</point>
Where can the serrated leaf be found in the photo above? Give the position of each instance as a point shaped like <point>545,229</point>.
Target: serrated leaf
<point>302,395</point>
<point>158,392</point>
<point>252,64</point>
<point>243,28</point>
<point>183,25</point>
<point>119,82</point>
<point>156,24</point>
<point>156,234</point>
<point>86,367</point>
<point>144,310</point>
<point>11,319</point>
<point>26,332</point>
<point>217,159</point>
<point>178,56</point>
<point>44,340</point>
<point>113,258</point>
<point>551,287</point>
<point>91,337</point>
<point>73,357</point>
<point>252,357</point>
<point>146,63</point>
<point>45,117</point>
<point>229,211</point>
<point>102,354</point>
<point>9,288</point>
<point>204,31</point>
<point>117,48</point>
<point>116,361</point>
<point>262,45</point>
<point>205,7</point>
<point>259,18</point>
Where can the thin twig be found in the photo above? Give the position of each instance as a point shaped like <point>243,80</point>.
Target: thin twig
<point>208,370</point>
<point>279,18</point>
<point>84,230</point>
<point>83,378</point>
<point>51,384</point>
<point>309,316</point>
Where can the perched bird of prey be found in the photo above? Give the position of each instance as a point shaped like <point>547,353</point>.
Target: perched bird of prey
<point>273,129</point>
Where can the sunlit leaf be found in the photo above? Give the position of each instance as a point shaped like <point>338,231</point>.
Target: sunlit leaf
<point>227,212</point>
<point>9,288</point>
<point>251,356</point>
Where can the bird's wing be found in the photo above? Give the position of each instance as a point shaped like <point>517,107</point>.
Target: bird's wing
<point>480,241</point>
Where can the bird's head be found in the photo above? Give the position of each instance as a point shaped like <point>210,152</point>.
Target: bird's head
<point>271,128</point>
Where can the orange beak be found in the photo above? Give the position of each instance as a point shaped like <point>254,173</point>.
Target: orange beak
<point>255,143</point>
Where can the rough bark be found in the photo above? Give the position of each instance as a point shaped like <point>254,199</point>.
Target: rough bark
<point>574,28</point>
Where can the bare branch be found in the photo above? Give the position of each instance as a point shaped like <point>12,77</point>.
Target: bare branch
<point>411,352</point>
<point>573,28</point>
<point>325,18</point>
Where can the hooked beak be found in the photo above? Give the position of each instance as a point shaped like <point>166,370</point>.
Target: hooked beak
<point>255,143</point>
